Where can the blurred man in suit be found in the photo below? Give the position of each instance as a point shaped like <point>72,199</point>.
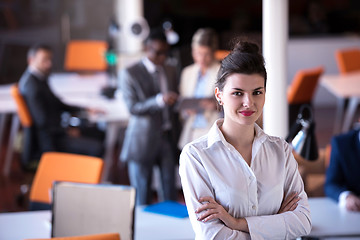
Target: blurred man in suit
<point>149,89</point>
<point>343,174</point>
<point>47,110</point>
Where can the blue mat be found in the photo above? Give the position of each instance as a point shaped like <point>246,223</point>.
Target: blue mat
<point>169,208</point>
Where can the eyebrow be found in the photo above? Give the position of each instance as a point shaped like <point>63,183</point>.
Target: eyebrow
<point>239,89</point>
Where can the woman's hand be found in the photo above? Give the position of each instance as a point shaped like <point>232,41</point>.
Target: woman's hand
<point>212,210</point>
<point>290,203</point>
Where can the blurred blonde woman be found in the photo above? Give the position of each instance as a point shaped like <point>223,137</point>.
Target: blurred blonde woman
<point>197,80</point>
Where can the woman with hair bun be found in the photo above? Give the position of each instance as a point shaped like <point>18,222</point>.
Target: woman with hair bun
<point>239,182</point>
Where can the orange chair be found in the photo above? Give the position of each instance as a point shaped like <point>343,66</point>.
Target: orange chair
<point>22,109</point>
<point>348,60</point>
<point>221,54</point>
<point>85,55</point>
<point>104,236</point>
<point>30,148</point>
<point>303,86</point>
<point>56,166</point>
<point>302,89</point>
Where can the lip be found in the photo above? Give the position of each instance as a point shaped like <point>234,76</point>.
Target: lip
<point>247,113</point>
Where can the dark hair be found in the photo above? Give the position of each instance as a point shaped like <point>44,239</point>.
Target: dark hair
<point>244,58</point>
<point>156,34</point>
<point>35,48</point>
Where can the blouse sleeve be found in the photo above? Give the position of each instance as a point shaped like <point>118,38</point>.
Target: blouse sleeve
<point>196,183</point>
<point>287,225</point>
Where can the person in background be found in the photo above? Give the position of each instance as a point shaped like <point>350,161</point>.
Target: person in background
<point>48,111</point>
<point>239,182</point>
<point>343,174</point>
<point>149,88</point>
<point>197,80</point>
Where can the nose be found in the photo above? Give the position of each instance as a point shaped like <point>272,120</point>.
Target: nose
<point>247,100</point>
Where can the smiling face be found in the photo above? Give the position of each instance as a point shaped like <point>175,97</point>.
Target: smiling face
<point>242,98</point>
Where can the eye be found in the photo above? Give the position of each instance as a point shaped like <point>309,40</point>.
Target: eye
<point>237,93</point>
<point>257,92</point>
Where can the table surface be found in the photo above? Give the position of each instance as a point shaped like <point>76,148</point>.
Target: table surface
<point>342,86</point>
<point>150,226</point>
<point>328,221</point>
<point>79,90</point>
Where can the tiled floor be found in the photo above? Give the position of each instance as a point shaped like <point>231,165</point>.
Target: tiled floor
<point>10,199</point>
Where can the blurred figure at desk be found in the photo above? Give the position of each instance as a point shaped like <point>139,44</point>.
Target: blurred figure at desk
<point>149,89</point>
<point>50,115</point>
<point>197,81</point>
<point>343,174</point>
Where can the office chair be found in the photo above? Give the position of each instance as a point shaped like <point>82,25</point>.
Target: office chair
<point>104,236</point>
<point>221,54</point>
<point>85,55</point>
<point>31,150</point>
<point>57,166</point>
<point>302,89</point>
<point>348,60</point>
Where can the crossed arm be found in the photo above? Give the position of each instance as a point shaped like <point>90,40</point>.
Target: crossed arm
<point>210,210</point>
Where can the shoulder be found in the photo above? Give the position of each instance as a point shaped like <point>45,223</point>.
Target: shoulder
<point>195,148</point>
<point>135,67</point>
<point>346,136</point>
<point>189,68</point>
<point>27,83</point>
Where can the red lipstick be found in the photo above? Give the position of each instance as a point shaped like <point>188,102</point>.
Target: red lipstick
<point>247,113</point>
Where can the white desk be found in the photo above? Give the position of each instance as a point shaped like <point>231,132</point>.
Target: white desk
<point>81,90</point>
<point>149,226</point>
<point>343,87</point>
<point>331,221</point>
<point>327,219</point>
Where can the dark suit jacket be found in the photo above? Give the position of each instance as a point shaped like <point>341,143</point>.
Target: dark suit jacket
<point>45,109</point>
<point>144,131</point>
<point>343,173</point>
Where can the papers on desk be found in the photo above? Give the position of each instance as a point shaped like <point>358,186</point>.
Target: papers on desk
<point>169,208</point>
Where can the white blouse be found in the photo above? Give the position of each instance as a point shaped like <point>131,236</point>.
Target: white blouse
<point>210,166</point>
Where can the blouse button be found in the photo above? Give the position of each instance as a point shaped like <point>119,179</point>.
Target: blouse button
<point>253,207</point>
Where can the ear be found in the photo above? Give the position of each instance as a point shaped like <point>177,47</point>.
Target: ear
<point>218,94</point>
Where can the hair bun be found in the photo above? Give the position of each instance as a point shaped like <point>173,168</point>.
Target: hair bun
<point>246,47</point>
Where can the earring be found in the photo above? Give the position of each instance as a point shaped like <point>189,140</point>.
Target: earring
<point>220,102</point>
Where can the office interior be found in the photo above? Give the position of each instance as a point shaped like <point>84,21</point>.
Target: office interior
<point>315,30</point>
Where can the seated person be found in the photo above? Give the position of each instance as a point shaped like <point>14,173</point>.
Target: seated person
<point>342,176</point>
<point>47,110</point>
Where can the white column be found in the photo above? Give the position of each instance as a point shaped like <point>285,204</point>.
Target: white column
<point>128,12</point>
<point>275,37</point>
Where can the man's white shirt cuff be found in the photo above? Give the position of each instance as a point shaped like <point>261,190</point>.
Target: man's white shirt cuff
<point>160,100</point>
<point>342,199</point>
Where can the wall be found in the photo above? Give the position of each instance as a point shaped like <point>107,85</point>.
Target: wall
<point>312,52</point>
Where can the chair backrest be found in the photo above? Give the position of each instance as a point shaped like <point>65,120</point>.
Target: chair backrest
<point>327,155</point>
<point>221,54</point>
<point>56,166</point>
<point>85,55</point>
<point>348,60</point>
<point>22,108</point>
<point>104,236</point>
<point>303,85</point>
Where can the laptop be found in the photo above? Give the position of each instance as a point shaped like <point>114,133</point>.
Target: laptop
<point>84,209</point>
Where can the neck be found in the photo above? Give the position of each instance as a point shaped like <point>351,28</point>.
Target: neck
<point>238,135</point>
